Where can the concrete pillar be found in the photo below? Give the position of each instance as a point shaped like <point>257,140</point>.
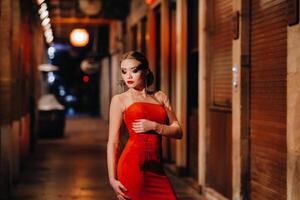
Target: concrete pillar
<point>293,113</point>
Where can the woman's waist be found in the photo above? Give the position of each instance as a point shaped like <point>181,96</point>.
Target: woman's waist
<point>144,138</point>
<point>141,152</point>
<point>143,143</point>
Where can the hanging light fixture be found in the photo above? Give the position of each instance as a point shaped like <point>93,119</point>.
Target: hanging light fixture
<point>43,8</point>
<point>90,7</point>
<point>45,21</point>
<point>79,37</point>
<point>44,15</point>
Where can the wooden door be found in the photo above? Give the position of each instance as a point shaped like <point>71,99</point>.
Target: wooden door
<point>219,151</point>
<point>268,146</point>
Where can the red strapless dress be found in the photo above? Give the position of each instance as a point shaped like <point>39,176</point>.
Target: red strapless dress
<point>140,168</point>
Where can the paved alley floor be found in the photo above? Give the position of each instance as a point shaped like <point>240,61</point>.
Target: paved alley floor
<point>74,167</point>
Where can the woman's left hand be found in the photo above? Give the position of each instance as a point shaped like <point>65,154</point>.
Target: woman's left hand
<point>143,125</point>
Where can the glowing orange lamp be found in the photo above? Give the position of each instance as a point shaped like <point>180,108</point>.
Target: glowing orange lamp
<point>149,2</point>
<point>79,37</point>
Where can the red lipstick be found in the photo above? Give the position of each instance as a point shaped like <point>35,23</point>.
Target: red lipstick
<point>130,82</point>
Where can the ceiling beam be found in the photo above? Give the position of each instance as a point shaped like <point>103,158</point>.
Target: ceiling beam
<point>75,20</point>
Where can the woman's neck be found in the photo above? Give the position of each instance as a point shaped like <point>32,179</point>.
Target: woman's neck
<point>138,92</point>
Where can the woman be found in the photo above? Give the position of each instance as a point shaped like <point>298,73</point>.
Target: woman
<point>138,173</point>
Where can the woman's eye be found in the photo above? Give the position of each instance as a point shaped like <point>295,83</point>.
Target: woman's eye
<point>123,71</point>
<point>135,70</point>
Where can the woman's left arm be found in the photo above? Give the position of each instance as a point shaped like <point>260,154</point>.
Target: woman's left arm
<point>172,130</point>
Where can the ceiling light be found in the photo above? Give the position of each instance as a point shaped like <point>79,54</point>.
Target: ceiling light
<point>44,14</point>
<point>48,26</point>
<point>49,40</point>
<point>149,2</point>
<point>46,21</point>
<point>48,33</point>
<point>79,37</point>
<point>43,8</point>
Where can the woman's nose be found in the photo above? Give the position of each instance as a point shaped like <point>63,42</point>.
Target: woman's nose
<point>129,75</point>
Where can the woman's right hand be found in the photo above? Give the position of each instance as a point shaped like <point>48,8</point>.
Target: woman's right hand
<point>119,189</point>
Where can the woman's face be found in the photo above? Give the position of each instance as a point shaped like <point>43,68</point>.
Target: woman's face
<point>131,75</point>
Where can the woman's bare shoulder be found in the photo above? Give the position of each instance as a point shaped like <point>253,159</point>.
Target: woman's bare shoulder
<point>119,99</point>
<point>122,96</point>
<point>161,96</point>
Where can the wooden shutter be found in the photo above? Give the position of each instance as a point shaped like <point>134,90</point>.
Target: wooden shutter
<point>219,140</point>
<point>268,149</point>
<point>221,53</point>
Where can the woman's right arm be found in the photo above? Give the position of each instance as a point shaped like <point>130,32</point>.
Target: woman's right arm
<point>115,121</point>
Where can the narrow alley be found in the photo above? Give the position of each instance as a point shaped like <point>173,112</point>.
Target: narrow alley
<point>74,167</point>
<point>206,90</point>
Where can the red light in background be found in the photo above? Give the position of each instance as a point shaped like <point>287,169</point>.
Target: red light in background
<point>86,78</point>
<point>149,2</point>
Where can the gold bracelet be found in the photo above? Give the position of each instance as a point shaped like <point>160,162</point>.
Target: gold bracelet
<point>160,129</point>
